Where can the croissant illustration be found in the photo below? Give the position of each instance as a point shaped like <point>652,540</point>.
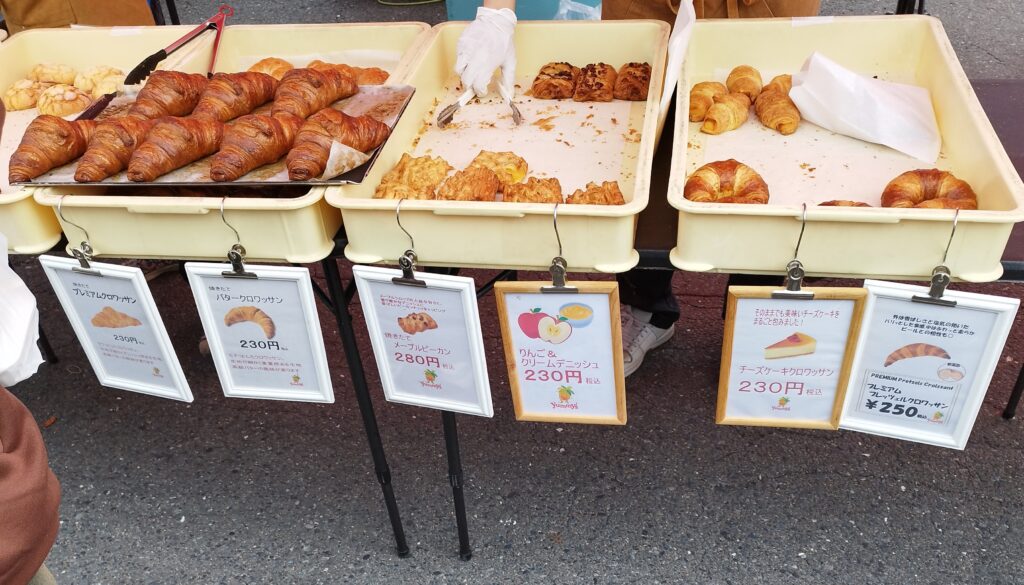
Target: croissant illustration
<point>252,315</point>
<point>48,143</point>
<point>414,323</point>
<point>168,93</point>
<point>308,157</point>
<point>230,95</point>
<point>172,144</point>
<point>113,319</point>
<point>305,91</point>
<point>251,142</point>
<point>915,350</point>
<point>111,147</point>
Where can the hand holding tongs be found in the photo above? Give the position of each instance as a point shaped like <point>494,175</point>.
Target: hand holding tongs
<point>148,65</point>
<point>446,115</point>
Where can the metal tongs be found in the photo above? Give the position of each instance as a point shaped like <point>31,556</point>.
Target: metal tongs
<point>446,115</point>
<point>148,65</point>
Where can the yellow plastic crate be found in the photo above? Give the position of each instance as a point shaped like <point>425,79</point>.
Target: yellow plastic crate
<point>498,234</point>
<point>296,230</point>
<point>870,243</point>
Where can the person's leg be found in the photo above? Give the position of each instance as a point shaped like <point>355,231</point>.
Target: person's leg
<point>649,313</point>
<point>43,577</point>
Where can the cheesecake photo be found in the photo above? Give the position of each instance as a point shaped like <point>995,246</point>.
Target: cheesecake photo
<point>792,346</point>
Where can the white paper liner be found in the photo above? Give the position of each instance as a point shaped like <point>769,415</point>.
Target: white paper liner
<point>342,159</point>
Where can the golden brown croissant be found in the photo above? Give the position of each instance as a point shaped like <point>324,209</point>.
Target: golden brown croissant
<point>746,80</point>
<point>251,315</point>
<point>251,142</point>
<point>915,350</point>
<point>168,93</point>
<point>230,95</point>
<point>371,75</point>
<point>414,323</point>
<point>774,108</point>
<point>302,92</point>
<point>729,112</point>
<point>48,143</point>
<point>273,67</point>
<point>113,319</point>
<point>111,147</point>
<point>702,97</point>
<point>726,181</point>
<point>929,188</point>
<point>308,158</point>
<point>173,143</point>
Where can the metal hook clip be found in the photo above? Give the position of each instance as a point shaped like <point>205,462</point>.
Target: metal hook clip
<point>236,255</point>
<point>83,253</point>
<point>941,276</point>
<point>795,269</point>
<point>558,265</point>
<point>407,261</point>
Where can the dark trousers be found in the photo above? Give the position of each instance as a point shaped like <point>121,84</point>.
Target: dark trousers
<point>651,291</point>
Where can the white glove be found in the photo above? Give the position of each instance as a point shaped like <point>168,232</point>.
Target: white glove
<point>484,46</point>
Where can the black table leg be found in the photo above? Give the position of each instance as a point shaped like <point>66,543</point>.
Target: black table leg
<point>451,443</point>
<point>1018,390</point>
<point>44,346</point>
<point>355,366</point>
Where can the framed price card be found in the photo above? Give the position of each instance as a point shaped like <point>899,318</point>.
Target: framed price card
<point>116,320</point>
<point>922,369</point>
<point>786,362</point>
<point>426,339</point>
<point>264,332</point>
<point>564,352</point>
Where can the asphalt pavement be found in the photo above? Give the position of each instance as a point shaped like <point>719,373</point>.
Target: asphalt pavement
<point>242,491</point>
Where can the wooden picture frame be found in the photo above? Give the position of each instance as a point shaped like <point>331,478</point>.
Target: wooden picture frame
<point>794,346</point>
<point>611,396</point>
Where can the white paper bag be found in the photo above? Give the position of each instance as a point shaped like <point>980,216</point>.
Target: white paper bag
<point>897,115</point>
<point>19,325</point>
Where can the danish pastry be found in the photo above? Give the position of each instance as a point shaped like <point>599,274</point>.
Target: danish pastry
<point>113,319</point>
<point>929,188</point>
<point>702,97</point>
<point>63,100</point>
<point>471,184</point>
<point>24,94</point>
<point>414,323</point>
<point>556,81</point>
<point>53,73</point>
<point>90,78</point>
<point>746,80</point>
<point>252,315</point>
<point>595,84</point>
<point>422,175</point>
<point>726,181</point>
<point>632,82</point>
<point>510,167</point>
<point>606,193</point>
<point>534,190</point>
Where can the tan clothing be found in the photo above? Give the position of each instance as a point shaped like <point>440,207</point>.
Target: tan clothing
<point>23,14</point>
<point>29,494</point>
<point>666,9</point>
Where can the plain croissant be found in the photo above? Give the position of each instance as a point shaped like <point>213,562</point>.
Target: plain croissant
<point>302,92</point>
<point>111,147</point>
<point>729,112</point>
<point>48,143</point>
<point>168,93</point>
<point>172,144</point>
<point>308,158</point>
<point>251,142</point>
<point>230,95</point>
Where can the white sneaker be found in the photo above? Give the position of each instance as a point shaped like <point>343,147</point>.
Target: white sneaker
<point>640,337</point>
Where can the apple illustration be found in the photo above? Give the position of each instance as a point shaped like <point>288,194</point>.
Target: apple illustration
<point>554,331</point>
<point>530,322</point>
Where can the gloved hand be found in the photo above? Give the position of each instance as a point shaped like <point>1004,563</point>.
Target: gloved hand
<point>484,46</point>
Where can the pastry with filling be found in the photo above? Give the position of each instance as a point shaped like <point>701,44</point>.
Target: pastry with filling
<point>510,167</point>
<point>556,81</point>
<point>534,190</point>
<point>792,346</point>
<point>632,82</point>
<point>471,184</point>
<point>606,193</point>
<point>596,83</point>
<point>421,175</point>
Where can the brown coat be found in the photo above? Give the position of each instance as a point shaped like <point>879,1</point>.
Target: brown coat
<point>666,9</point>
<point>29,494</point>
<point>23,14</point>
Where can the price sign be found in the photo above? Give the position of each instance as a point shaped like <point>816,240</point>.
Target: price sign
<point>264,332</point>
<point>786,362</point>
<point>116,320</point>
<point>922,370</point>
<point>427,340</point>
<point>564,352</point>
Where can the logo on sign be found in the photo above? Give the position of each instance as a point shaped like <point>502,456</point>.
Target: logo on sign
<point>565,394</point>
<point>782,404</point>
<point>430,377</point>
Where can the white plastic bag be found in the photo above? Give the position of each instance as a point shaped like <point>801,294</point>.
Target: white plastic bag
<point>897,115</point>
<point>19,325</point>
<point>572,10</point>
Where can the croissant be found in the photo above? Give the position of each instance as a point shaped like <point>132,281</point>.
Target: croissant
<point>113,319</point>
<point>726,181</point>
<point>308,158</point>
<point>304,91</point>
<point>929,188</point>
<point>252,315</point>
<point>843,203</point>
<point>782,83</point>
<point>173,143</point>
<point>414,323</point>
<point>702,97</point>
<point>251,142</point>
<point>273,67</point>
<point>915,350</point>
<point>48,143</point>
<point>168,93</point>
<point>746,80</point>
<point>230,95</point>
<point>729,112</point>
<point>371,75</point>
<point>774,108</point>
<point>111,147</point>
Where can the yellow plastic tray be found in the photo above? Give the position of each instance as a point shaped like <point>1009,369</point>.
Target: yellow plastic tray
<point>507,235</point>
<point>872,243</point>
<point>296,230</point>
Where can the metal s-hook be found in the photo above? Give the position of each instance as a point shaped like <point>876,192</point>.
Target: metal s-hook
<point>795,269</point>
<point>83,253</point>
<point>558,266</point>
<point>236,255</point>
<point>941,276</point>
<point>407,261</point>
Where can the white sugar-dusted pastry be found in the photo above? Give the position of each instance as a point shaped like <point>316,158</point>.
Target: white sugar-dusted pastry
<point>53,73</point>
<point>88,79</point>
<point>23,94</point>
<point>109,84</point>
<point>63,100</point>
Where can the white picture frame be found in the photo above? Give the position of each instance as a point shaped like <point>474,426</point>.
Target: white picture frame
<point>880,336</point>
<point>116,321</point>
<point>264,333</point>
<point>455,328</point>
